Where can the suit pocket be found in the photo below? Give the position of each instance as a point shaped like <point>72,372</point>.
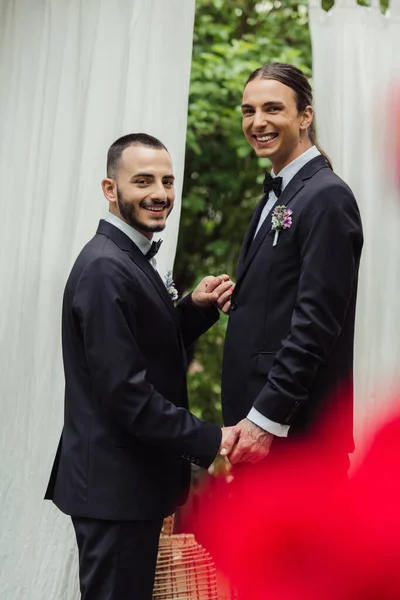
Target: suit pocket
<point>262,362</point>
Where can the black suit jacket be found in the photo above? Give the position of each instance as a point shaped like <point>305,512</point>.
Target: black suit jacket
<point>128,437</point>
<point>289,343</point>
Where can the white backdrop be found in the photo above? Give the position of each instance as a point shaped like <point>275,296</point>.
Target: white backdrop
<point>356,55</point>
<point>75,75</point>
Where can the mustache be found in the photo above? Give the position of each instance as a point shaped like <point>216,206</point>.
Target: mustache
<point>163,203</point>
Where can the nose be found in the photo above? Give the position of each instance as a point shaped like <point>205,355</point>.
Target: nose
<point>260,119</point>
<point>159,192</point>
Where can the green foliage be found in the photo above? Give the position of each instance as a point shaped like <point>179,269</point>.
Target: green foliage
<point>223,177</point>
<point>205,374</point>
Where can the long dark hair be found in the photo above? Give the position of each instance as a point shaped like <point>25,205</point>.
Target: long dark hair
<point>298,82</point>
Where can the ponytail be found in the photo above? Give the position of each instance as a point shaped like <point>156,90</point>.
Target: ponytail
<point>312,134</point>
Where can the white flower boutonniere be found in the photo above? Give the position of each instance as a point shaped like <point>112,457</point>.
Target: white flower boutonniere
<point>281,219</point>
<point>169,284</point>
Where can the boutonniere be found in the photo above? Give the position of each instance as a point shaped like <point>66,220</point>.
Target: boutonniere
<point>281,219</point>
<point>169,284</point>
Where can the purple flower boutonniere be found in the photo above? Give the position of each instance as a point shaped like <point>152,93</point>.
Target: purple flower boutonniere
<point>281,219</point>
<point>169,284</point>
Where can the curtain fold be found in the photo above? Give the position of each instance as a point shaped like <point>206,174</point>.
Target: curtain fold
<point>75,75</point>
<point>356,60</point>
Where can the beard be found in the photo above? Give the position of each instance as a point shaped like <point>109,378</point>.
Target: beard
<point>127,211</point>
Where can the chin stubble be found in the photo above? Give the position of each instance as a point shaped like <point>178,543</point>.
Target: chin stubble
<point>127,213</point>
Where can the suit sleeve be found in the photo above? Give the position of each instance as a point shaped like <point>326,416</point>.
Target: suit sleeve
<point>194,321</point>
<point>330,237</point>
<point>105,304</point>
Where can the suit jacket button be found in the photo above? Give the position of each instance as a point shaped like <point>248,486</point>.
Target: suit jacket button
<point>233,306</point>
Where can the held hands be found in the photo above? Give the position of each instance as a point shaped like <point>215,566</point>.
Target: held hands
<point>246,442</point>
<point>221,464</point>
<point>213,291</point>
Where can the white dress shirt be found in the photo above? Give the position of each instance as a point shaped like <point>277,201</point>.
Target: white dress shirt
<point>141,241</point>
<point>287,174</point>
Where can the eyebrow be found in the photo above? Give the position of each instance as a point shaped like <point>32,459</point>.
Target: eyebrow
<point>265,105</point>
<point>151,176</point>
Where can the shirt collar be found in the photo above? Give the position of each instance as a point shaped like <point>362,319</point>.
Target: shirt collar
<point>137,238</point>
<point>294,167</point>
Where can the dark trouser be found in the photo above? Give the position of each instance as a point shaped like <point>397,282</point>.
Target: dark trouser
<point>117,559</point>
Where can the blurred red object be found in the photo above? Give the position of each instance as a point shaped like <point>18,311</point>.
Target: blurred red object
<point>292,529</point>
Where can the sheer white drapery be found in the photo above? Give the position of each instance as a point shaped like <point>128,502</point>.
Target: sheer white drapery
<point>75,75</point>
<point>356,57</point>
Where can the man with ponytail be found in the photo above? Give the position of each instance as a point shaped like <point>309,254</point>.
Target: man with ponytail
<point>288,357</point>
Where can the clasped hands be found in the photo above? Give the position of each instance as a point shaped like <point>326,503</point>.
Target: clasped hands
<point>215,291</point>
<point>243,443</point>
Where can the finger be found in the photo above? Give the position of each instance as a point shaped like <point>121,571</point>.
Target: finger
<point>224,298</point>
<point>263,453</point>
<point>229,443</point>
<point>238,453</point>
<point>235,457</point>
<point>256,455</point>
<point>223,288</point>
<point>226,307</point>
<point>218,291</point>
<point>246,457</point>
<point>213,282</point>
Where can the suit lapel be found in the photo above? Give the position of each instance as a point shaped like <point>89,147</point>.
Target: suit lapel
<point>290,191</point>
<point>249,236</point>
<point>144,264</point>
<point>126,244</point>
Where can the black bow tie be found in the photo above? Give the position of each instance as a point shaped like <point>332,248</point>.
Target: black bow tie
<point>272,183</point>
<point>154,248</point>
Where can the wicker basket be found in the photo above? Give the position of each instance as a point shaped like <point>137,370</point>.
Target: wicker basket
<point>185,570</point>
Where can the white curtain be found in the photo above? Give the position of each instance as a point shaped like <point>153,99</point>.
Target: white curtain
<point>356,59</point>
<point>74,76</point>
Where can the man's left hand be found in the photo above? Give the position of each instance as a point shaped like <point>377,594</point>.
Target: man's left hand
<point>253,445</point>
<point>210,289</point>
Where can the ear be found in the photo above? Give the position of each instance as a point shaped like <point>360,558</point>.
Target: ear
<point>307,117</point>
<point>109,188</point>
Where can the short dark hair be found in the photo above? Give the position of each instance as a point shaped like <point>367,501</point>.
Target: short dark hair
<point>298,82</point>
<point>132,139</point>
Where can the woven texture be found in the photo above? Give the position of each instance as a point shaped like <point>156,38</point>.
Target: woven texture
<point>185,570</point>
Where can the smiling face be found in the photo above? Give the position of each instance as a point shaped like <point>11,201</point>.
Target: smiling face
<point>272,124</point>
<point>142,193</point>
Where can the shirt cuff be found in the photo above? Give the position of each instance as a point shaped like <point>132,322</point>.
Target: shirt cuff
<point>275,428</point>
